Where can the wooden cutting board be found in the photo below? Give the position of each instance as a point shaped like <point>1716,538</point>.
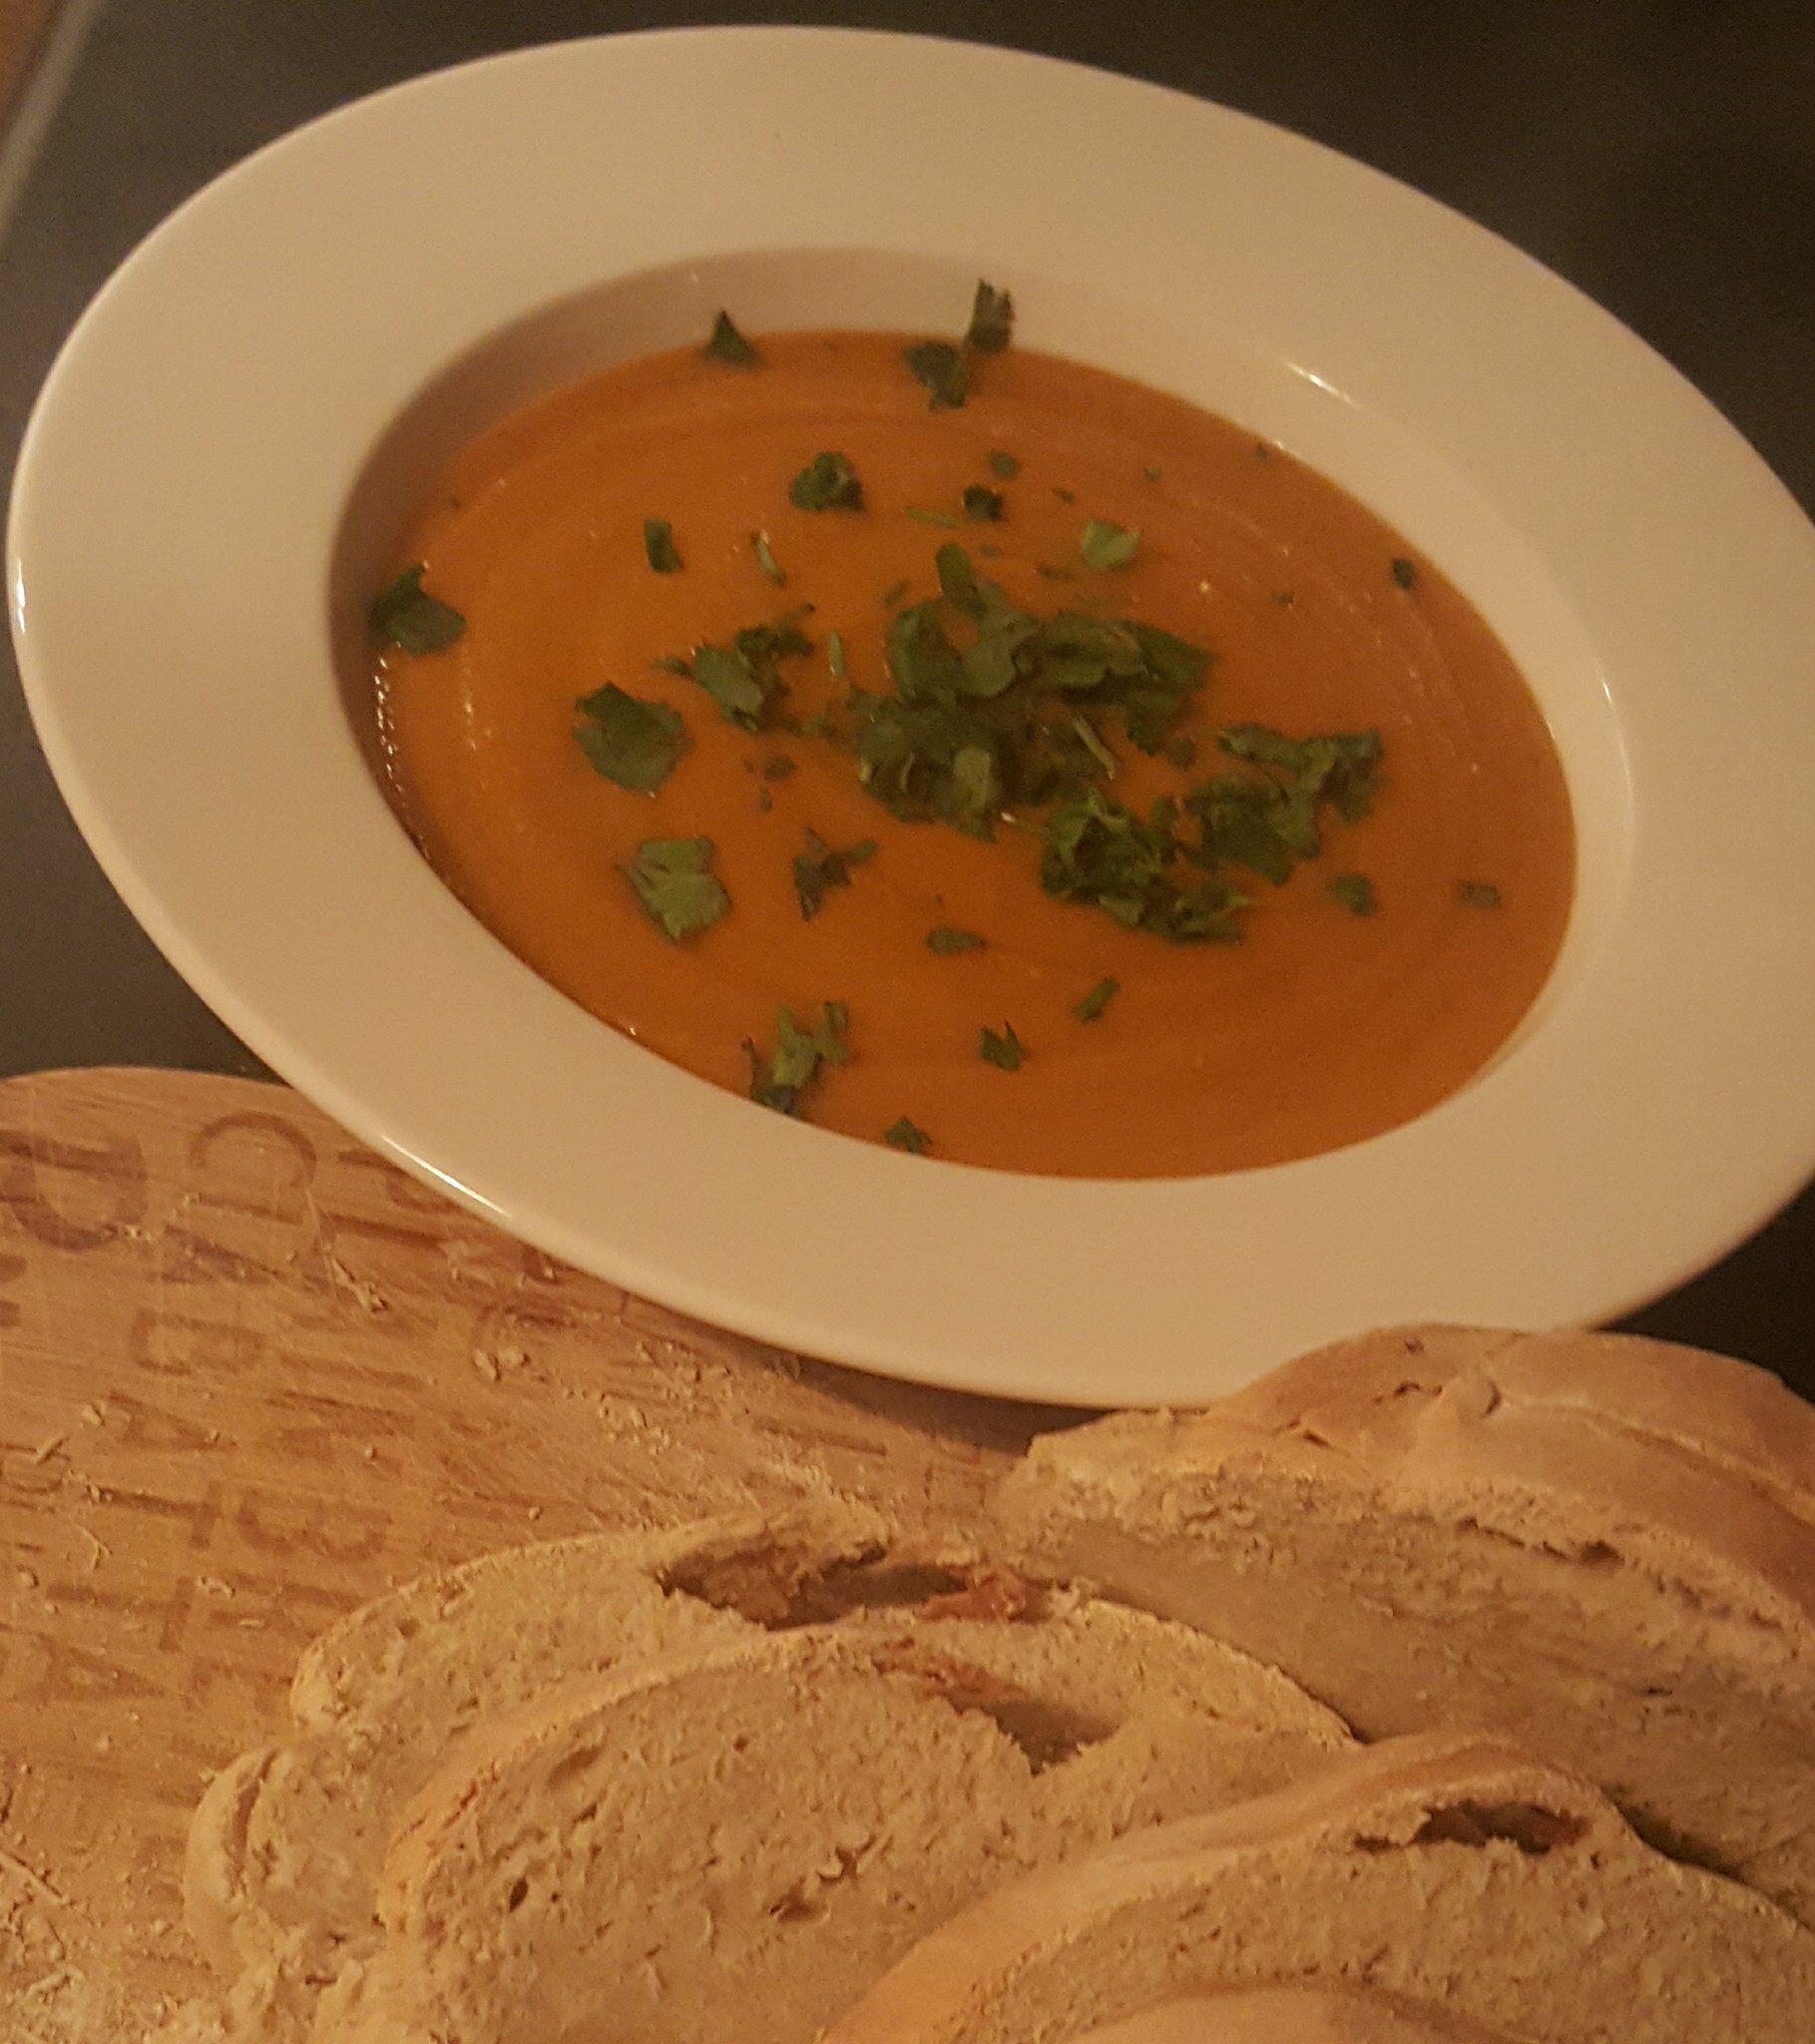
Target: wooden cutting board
<point>252,1375</point>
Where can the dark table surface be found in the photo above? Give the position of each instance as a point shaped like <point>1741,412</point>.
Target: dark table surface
<point>1661,154</point>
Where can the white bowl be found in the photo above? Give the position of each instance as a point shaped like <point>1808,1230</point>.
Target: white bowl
<point>228,444</point>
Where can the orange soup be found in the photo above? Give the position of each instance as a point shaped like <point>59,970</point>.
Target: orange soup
<point>975,751</point>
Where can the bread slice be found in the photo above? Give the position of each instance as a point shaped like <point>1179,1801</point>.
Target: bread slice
<point>285,1848</point>
<point>1291,2015</point>
<point>728,1847</point>
<point>1602,1547</point>
<point>1442,1868</point>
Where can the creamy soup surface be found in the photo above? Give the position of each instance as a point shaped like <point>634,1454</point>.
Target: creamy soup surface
<point>1356,884</point>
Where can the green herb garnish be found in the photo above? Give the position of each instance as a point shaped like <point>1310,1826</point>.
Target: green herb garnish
<point>946,943</point>
<point>1355,891</point>
<point>990,721</point>
<point>411,618</point>
<point>765,559</point>
<point>1003,1049</point>
<point>893,593</point>
<point>834,654</point>
<point>659,545</point>
<point>799,1056</point>
<point>744,678</point>
<point>1405,572</point>
<point>941,518</point>
<point>983,505</point>
<point>1005,466</point>
<point>1152,472</point>
<point>819,868</point>
<point>1105,545</point>
<point>940,369</point>
<point>630,741</point>
<point>675,882</point>
<point>729,345</point>
<point>905,1134</point>
<point>827,483</point>
<point>1134,868</point>
<point>1478,893</point>
<point>992,319</point>
<point>1099,998</point>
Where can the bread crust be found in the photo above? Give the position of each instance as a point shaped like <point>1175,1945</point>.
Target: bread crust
<point>1069,1927</point>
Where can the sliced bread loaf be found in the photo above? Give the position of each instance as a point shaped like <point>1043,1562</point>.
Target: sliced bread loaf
<point>285,1848</point>
<point>729,1846</point>
<point>1602,1547</point>
<point>1444,1869</point>
<point>1291,2015</point>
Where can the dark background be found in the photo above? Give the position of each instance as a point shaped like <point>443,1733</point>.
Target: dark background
<point>1660,156</point>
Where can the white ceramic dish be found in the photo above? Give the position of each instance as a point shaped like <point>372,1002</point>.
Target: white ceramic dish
<point>235,430</point>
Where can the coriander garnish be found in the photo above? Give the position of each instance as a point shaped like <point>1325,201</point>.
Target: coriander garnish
<point>1152,472</point>
<point>939,366</point>
<point>765,559</point>
<point>947,942</point>
<point>906,1134</point>
<point>404,613</point>
<point>819,868</point>
<point>1405,572</point>
<point>1478,893</point>
<point>1134,868</point>
<point>1104,545</point>
<point>992,319</point>
<point>799,1057</point>
<point>1355,891</point>
<point>659,545</point>
<point>630,741</point>
<point>744,678</point>
<point>675,882</point>
<point>983,505</point>
<point>729,345</point>
<point>1002,1048</point>
<point>834,655</point>
<point>827,483</point>
<point>1005,465</point>
<point>941,518</point>
<point>1099,998</point>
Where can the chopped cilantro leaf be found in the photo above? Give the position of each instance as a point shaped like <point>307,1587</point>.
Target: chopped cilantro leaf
<point>819,868</point>
<point>1478,893</point>
<point>630,741</point>
<point>905,1134</point>
<point>827,483</point>
<point>729,345</point>
<point>943,518</point>
<point>1002,1048</point>
<point>1094,849</point>
<point>992,319</point>
<point>675,882</point>
<point>1099,998</point>
<point>1152,472</point>
<point>659,545</point>
<point>765,559</point>
<point>744,678</point>
<point>799,1056</point>
<point>946,943</point>
<point>939,368</point>
<point>1355,891</point>
<point>834,655</point>
<point>1004,465</point>
<point>1405,572</point>
<point>1064,495</point>
<point>411,618</point>
<point>779,766</point>
<point>1105,545</point>
<point>983,505</point>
